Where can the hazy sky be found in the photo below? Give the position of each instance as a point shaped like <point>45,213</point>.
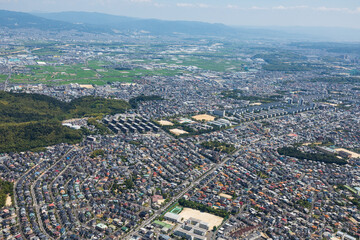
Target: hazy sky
<point>335,13</point>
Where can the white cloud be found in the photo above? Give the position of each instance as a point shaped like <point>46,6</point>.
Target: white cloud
<point>203,5</point>
<point>158,4</point>
<point>149,2</point>
<point>281,7</point>
<point>232,6</point>
<point>339,10</point>
<point>258,8</point>
<point>185,5</point>
<point>141,1</point>
<point>198,5</point>
<point>327,9</point>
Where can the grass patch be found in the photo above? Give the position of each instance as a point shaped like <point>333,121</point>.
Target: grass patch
<point>6,188</point>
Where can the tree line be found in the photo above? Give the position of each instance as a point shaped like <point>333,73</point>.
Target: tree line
<point>30,135</point>
<point>239,95</point>
<point>6,188</point>
<point>30,121</point>
<point>204,208</point>
<point>317,157</point>
<point>219,146</point>
<point>142,98</point>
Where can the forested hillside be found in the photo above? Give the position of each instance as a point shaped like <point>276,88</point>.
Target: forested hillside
<point>30,121</point>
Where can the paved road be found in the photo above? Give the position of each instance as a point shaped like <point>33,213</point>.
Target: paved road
<point>8,78</point>
<point>15,193</point>
<point>35,203</point>
<point>180,195</point>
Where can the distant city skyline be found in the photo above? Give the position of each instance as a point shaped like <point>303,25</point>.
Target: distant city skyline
<point>315,13</point>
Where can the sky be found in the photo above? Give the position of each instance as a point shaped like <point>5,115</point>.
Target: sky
<point>328,13</point>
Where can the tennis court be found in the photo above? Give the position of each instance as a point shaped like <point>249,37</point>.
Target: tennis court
<point>176,210</point>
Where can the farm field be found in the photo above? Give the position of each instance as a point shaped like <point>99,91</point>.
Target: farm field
<point>93,73</point>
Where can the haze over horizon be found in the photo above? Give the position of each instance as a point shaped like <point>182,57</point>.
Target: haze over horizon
<point>320,13</point>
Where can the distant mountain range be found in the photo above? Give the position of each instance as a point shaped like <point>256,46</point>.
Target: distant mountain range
<point>99,22</point>
<point>153,26</point>
<point>105,23</point>
<point>87,18</point>
<point>18,20</point>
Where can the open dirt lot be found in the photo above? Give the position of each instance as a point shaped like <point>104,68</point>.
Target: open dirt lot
<point>353,154</point>
<point>88,86</point>
<point>8,202</point>
<point>204,117</point>
<point>178,132</point>
<point>225,195</point>
<point>212,220</point>
<point>165,123</point>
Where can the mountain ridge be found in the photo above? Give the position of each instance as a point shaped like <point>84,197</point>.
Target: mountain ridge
<point>18,20</point>
<point>106,23</point>
<point>154,26</point>
<point>94,22</point>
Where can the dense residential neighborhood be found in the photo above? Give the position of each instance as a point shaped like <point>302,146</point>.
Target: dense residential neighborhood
<point>208,145</point>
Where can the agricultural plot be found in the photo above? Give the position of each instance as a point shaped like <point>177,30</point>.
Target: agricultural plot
<point>94,73</point>
<point>3,77</point>
<point>215,63</point>
<point>56,75</point>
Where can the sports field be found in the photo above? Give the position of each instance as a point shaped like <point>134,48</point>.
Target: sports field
<point>204,117</point>
<point>353,154</point>
<point>165,123</point>
<point>178,132</point>
<point>163,224</point>
<point>176,210</point>
<point>211,219</point>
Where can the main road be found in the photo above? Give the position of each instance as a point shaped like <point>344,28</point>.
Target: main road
<point>35,203</point>
<point>180,195</point>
